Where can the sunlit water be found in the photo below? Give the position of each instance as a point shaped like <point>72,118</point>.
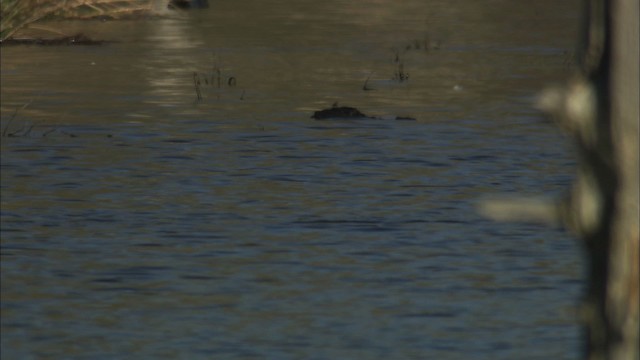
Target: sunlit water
<point>139,222</point>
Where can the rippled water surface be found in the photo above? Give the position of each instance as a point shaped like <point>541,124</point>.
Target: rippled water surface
<point>140,222</point>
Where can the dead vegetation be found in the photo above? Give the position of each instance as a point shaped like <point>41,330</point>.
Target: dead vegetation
<point>18,14</point>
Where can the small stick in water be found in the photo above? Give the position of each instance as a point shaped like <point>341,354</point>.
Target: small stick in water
<point>196,84</point>
<point>365,87</point>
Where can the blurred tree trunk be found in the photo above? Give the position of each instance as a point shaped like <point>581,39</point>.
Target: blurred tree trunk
<point>600,108</point>
<point>620,301</point>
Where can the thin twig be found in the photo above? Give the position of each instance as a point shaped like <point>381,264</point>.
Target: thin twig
<point>196,84</point>
<point>13,116</point>
<point>365,87</point>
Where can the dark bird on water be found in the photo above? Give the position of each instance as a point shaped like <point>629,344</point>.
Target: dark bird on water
<point>188,4</point>
<point>349,113</point>
<point>339,112</point>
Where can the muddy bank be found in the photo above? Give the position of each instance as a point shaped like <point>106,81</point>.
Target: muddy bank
<point>77,39</point>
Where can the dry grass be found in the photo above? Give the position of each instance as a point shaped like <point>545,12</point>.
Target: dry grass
<point>17,14</point>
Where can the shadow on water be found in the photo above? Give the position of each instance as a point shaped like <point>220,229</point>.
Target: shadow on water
<point>235,226</point>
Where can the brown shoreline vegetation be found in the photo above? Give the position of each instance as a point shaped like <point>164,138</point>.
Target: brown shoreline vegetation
<point>18,14</point>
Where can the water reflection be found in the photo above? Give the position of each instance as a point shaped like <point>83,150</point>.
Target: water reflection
<point>169,60</point>
<point>238,227</point>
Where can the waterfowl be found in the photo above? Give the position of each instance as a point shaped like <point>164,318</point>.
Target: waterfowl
<point>339,112</point>
<point>188,4</point>
<point>349,113</point>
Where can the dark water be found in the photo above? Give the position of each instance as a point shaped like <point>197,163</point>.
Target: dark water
<point>140,223</point>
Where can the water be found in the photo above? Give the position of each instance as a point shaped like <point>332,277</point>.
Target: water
<point>138,222</point>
